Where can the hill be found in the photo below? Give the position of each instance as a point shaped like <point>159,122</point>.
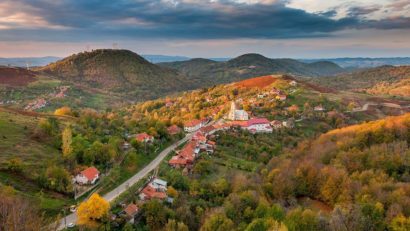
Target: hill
<point>364,62</point>
<point>249,65</point>
<point>386,80</point>
<point>120,71</point>
<point>14,76</point>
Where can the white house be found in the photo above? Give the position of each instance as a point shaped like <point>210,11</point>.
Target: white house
<point>87,176</point>
<point>259,125</point>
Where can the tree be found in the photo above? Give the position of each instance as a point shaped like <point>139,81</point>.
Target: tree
<point>93,211</point>
<point>155,214</point>
<point>400,223</point>
<point>17,213</point>
<point>63,111</point>
<point>173,225</point>
<point>66,137</point>
<point>266,225</point>
<point>217,222</point>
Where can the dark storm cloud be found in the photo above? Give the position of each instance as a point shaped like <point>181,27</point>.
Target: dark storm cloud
<point>135,19</point>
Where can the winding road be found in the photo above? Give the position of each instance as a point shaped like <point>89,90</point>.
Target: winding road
<point>72,218</point>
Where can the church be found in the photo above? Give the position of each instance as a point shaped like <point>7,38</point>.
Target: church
<point>235,114</point>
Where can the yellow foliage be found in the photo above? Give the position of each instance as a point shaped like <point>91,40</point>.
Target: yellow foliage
<point>172,192</point>
<point>63,111</point>
<point>92,211</point>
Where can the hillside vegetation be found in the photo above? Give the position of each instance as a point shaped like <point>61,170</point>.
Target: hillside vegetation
<point>120,71</point>
<point>387,80</point>
<point>249,65</point>
<point>14,76</point>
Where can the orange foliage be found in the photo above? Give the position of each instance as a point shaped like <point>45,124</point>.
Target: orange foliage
<point>259,82</point>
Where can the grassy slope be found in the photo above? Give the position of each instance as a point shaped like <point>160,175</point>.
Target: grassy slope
<point>15,141</point>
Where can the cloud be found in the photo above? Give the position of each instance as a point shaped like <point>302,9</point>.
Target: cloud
<point>78,20</point>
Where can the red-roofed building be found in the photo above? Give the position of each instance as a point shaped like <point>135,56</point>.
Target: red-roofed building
<point>131,211</point>
<point>207,129</point>
<point>185,156</point>
<point>149,193</point>
<point>88,176</point>
<point>258,125</point>
<point>193,125</point>
<point>144,138</point>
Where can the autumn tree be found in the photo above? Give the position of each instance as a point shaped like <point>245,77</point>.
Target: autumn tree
<point>93,211</point>
<point>217,222</point>
<point>63,111</point>
<point>173,225</point>
<point>66,138</point>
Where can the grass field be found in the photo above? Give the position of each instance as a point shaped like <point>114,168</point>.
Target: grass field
<point>16,142</point>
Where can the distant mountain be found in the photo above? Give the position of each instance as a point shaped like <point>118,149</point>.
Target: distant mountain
<point>120,71</point>
<point>388,80</point>
<point>249,65</point>
<point>30,61</point>
<point>164,58</point>
<point>364,62</point>
<point>167,58</point>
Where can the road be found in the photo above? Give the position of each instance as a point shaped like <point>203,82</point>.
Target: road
<point>72,218</point>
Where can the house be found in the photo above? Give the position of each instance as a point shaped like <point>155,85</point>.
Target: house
<point>293,83</point>
<point>235,114</point>
<point>149,193</point>
<point>258,125</point>
<point>193,125</point>
<point>87,176</point>
<point>276,124</point>
<point>319,108</point>
<point>130,212</point>
<point>186,156</point>
<point>159,184</point>
<point>281,97</point>
<point>173,130</point>
<point>207,130</point>
<point>144,138</point>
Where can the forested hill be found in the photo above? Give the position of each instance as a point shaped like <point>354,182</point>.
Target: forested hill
<point>249,65</point>
<point>388,80</point>
<point>120,71</point>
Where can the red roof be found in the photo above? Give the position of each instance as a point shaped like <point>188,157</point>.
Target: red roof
<point>257,121</point>
<point>151,193</point>
<point>90,173</point>
<point>131,210</point>
<point>207,129</point>
<point>192,123</point>
<point>142,137</point>
<point>185,156</point>
<point>239,123</point>
<point>174,129</point>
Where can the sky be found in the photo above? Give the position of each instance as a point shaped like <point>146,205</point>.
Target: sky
<point>207,28</point>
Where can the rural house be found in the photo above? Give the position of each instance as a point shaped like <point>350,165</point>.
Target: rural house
<point>88,176</point>
<point>144,138</point>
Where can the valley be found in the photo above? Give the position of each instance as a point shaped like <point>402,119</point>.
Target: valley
<point>257,148</point>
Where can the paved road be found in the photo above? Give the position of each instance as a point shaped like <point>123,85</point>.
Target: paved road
<point>72,218</point>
